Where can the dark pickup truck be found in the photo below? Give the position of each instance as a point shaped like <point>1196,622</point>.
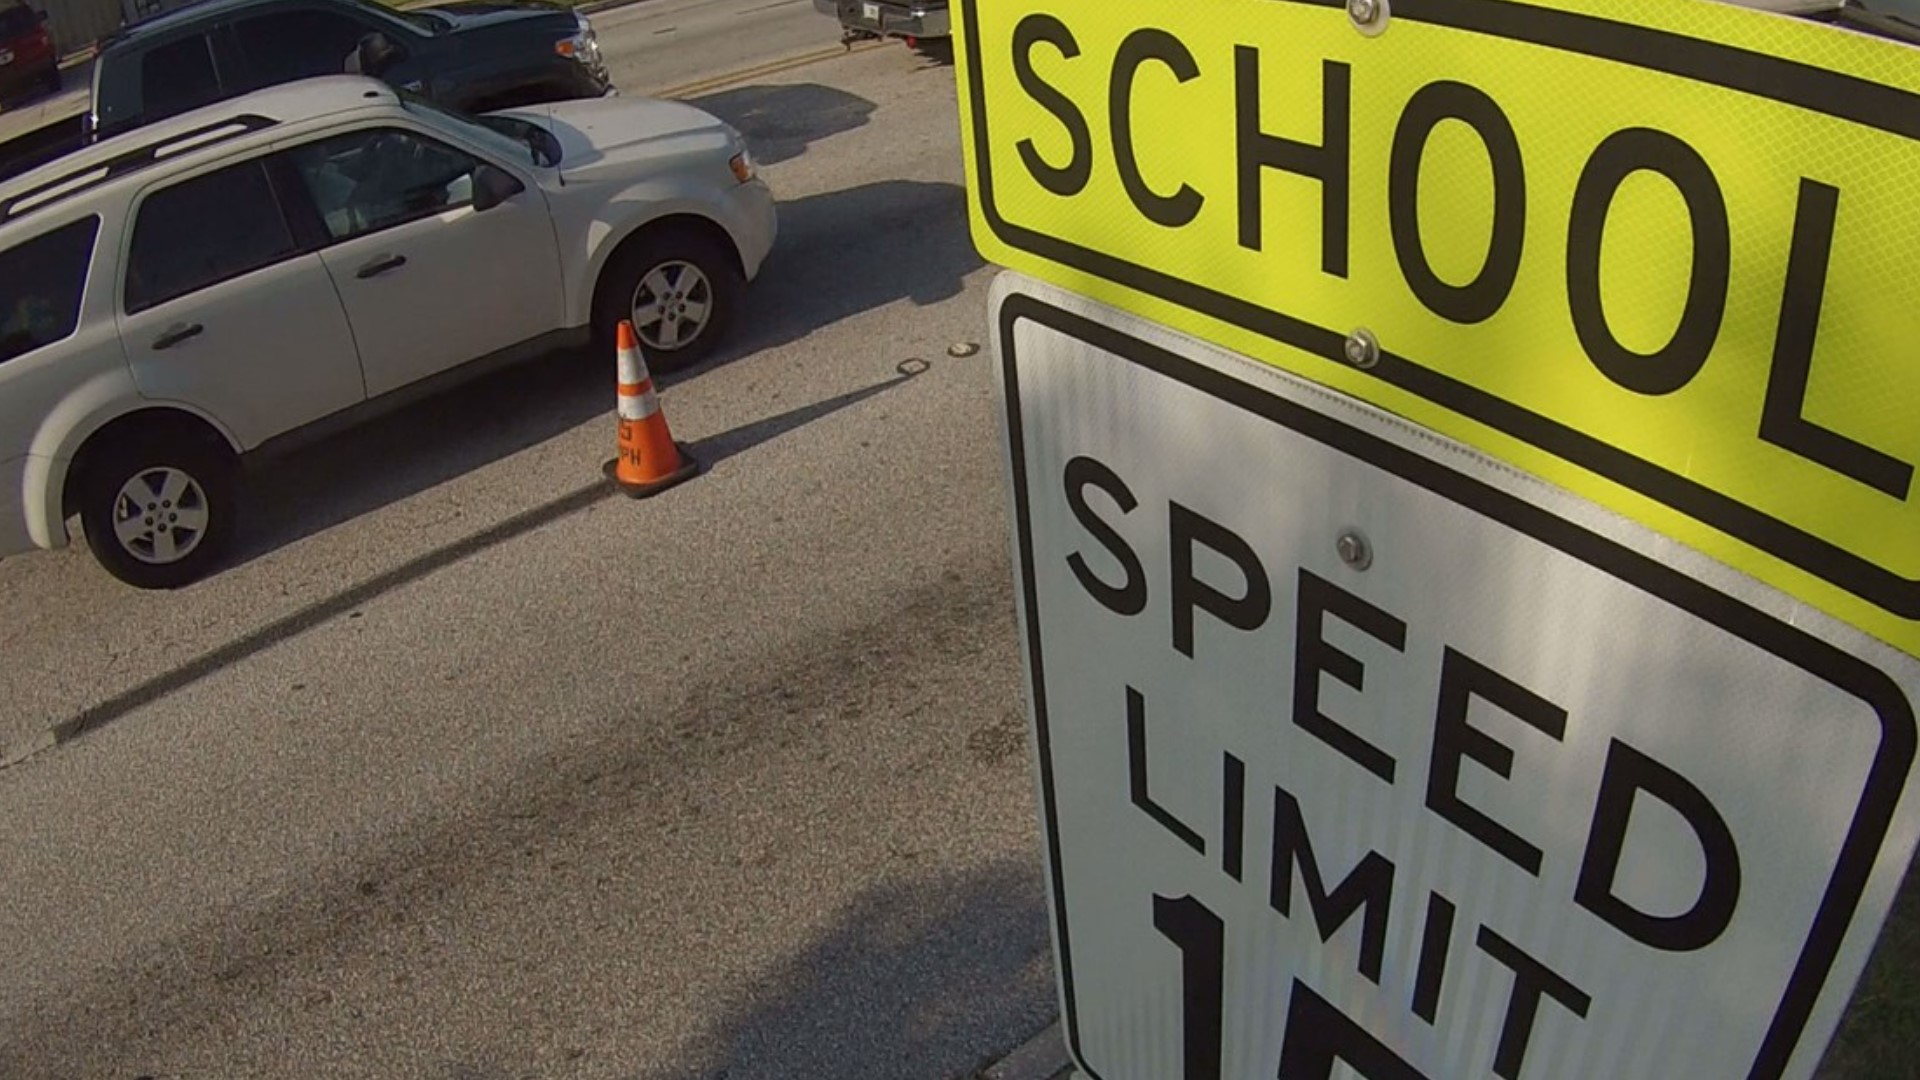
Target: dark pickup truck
<point>914,20</point>
<point>475,56</point>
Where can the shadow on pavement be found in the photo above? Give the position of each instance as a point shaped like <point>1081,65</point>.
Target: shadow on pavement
<point>938,52</point>
<point>781,121</point>
<point>39,146</point>
<point>930,980</point>
<point>436,440</point>
<point>926,971</point>
<point>36,126</point>
<point>851,251</point>
<point>710,451</point>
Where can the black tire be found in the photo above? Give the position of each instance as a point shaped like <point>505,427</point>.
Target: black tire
<point>636,260</point>
<point>51,81</point>
<point>213,492</point>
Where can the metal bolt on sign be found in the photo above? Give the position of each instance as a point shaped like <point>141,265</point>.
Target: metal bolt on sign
<point>1363,349</point>
<point>1355,550</point>
<point>1369,16</point>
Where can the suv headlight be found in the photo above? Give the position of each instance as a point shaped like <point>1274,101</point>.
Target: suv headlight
<point>583,46</point>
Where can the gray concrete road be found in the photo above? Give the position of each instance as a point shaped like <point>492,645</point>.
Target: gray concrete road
<point>662,44</point>
<point>469,770</point>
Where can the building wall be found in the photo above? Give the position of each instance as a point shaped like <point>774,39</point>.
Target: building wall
<point>140,9</point>
<point>78,23</point>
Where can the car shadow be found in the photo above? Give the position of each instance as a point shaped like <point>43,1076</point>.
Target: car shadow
<point>922,979</point>
<point>938,52</point>
<point>939,963</point>
<point>34,148</point>
<point>779,122</point>
<point>847,252</point>
<point>357,471</point>
<point>422,445</point>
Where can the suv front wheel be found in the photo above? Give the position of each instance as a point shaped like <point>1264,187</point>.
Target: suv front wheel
<point>158,512</point>
<point>679,285</point>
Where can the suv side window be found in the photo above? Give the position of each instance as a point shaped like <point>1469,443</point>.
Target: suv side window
<point>293,45</point>
<point>203,231</point>
<point>41,282</point>
<point>178,76</point>
<point>366,181</point>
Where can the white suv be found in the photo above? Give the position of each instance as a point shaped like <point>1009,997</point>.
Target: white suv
<point>291,260</point>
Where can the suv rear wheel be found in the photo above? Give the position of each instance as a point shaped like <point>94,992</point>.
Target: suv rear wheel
<point>679,285</point>
<point>158,512</point>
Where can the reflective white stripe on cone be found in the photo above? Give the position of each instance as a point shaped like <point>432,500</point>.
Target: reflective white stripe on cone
<point>633,367</point>
<point>638,406</point>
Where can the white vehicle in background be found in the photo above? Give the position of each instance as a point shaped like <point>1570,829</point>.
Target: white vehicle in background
<point>291,260</point>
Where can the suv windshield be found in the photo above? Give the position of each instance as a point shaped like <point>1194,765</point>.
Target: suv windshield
<point>419,20</point>
<point>511,136</point>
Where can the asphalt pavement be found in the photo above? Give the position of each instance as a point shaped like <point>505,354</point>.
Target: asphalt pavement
<point>662,44</point>
<point>468,769</point>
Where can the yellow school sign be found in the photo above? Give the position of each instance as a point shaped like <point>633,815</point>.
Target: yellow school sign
<point>1663,253</point>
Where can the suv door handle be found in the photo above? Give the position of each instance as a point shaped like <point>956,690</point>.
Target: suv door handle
<point>177,333</point>
<point>380,266</point>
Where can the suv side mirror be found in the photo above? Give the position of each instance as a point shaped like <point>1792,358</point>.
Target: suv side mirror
<point>493,186</point>
<point>373,56</point>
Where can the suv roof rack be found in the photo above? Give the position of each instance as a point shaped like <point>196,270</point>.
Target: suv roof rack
<point>99,172</point>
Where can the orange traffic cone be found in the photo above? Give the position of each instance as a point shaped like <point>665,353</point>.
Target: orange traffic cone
<point>649,461</point>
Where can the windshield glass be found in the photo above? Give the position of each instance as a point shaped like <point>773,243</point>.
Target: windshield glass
<point>495,134</point>
<point>419,20</point>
